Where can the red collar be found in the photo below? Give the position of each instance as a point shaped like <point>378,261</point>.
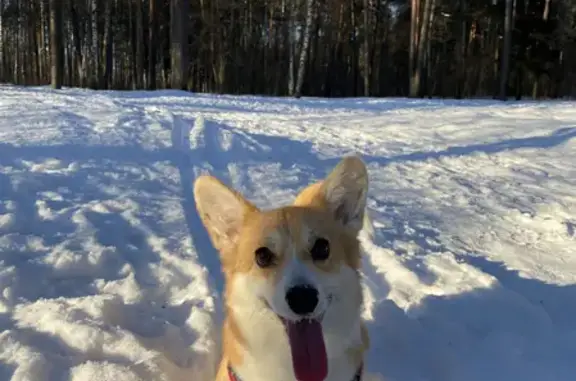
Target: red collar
<point>232,376</point>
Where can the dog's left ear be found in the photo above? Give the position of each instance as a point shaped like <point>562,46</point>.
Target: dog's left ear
<point>343,192</point>
<point>222,211</point>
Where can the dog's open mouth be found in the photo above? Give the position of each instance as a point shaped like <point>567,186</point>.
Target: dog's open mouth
<point>308,349</point>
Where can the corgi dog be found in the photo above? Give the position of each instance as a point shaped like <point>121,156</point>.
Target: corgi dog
<point>293,294</point>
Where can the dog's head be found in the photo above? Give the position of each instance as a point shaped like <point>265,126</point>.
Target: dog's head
<point>298,264</point>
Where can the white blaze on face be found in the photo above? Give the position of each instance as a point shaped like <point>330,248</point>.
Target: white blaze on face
<point>296,273</point>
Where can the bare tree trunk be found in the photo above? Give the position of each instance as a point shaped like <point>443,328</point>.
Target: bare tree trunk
<point>153,19</point>
<point>505,57</point>
<point>16,67</point>
<point>367,34</point>
<point>95,43</point>
<point>40,38</point>
<point>108,48</point>
<point>461,51</point>
<point>35,47</point>
<point>422,44</point>
<point>56,46</point>
<point>414,22</point>
<point>546,12</point>
<point>291,47</point>
<point>179,44</point>
<point>282,38</point>
<point>304,48</point>
<point>139,41</point>
<point>77,44</point>
<point>427,88</point>
<point>2,44</point>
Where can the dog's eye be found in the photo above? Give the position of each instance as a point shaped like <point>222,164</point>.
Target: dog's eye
<point>320,250</point>
<point>264,257</point>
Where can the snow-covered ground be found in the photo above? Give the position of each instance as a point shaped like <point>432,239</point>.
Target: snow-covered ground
<point>107,274</point>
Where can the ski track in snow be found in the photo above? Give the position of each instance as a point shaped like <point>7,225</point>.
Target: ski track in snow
<point>107,273</point>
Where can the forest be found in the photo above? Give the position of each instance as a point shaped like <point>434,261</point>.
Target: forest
<point>504,49</point>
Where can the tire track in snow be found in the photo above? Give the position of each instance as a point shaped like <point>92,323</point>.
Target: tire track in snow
<point>187,163</point>
<point>190,164</point>
<point>205,149</point>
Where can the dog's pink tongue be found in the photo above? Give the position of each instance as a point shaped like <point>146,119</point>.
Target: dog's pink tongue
<point>308,350</point>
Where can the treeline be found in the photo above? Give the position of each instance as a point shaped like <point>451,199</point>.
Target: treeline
<point>332,48</point>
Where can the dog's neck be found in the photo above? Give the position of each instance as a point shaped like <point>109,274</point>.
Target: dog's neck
<point>232,376</point>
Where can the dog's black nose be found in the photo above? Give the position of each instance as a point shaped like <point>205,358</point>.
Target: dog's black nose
<point>302,299</point>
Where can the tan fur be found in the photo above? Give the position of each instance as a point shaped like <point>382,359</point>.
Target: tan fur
<point>309,196</point>
<point>237,228</point>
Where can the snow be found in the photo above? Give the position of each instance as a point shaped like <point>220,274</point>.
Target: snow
<point>107,274</point>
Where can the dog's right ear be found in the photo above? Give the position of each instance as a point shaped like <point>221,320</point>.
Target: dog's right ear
<point>222,211</point>
<point>343,192</point>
